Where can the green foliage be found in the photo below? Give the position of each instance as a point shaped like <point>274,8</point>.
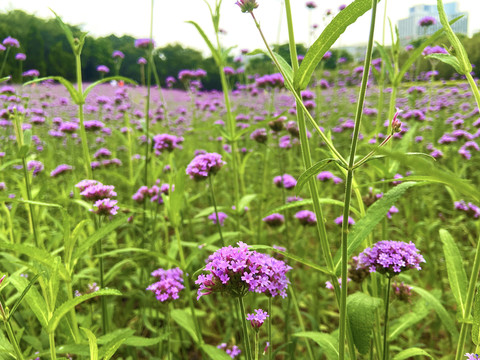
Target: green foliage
<point>361,309</point>
<point>328,343</point>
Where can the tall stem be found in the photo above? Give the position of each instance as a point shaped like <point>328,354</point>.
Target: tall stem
<point>474,88</point>
<point>468,303</point>
<point>385,326</point>
<point>4,61</point>
<point>102,284</point>
<point>51,340</point>
<point>269,328</point>
<point>219,228</point>
<point>246,342</point>
<point>348,184</point>
<point>13,340</point>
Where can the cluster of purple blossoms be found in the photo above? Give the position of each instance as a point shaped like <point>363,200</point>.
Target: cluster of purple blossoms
<point>247,5</point>
<point>339,220</point>
<point>471,209</point>
<point>166,142</point>
<point>327,175</point>
<point>259,135</point>
<point>118,54</point>
<point>11,42</point>
<point>274,220</point>
<point>204,165</point>
<point>60,169</point>
<point>257,319</point>
<point>100,195</point>
<point>286,180</point>
<point>402,292</point>
<point>233,351</point>
<point>390,257</point>
<point>186,75</point>
<point>36,166</point>
<point>472,356</point>
<point>306,217</point>
<point>310,5</point>
<point>154,193</point>
<point>31,72</point>
<point>144,43</point>
<point>103,69</point>
<point>221,218</point>
<point>169,284</point>
<point>142,61</point>
<point>329,285</point>
<point>20,57</point>
<point>427,21</point>
<point>270,81</point>
<point>434,50</point>
<point>237,270</point>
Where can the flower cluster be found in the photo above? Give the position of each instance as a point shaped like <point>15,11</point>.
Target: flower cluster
<point>306,217</point>
<point>427,21</point>
<point>471,209</point>
<point>144,43</point>
<point>270,81</point>
<point>247,5</point>
<point>285,180</point>
<point>434,50</point>
<point>186,75</point>
<point>154,193</point>
<point>237,270</point>
<point>327,175</point>
<point>390,257</point>
<point>100,195</point>
<point>166,142</point>
<point>258,318</point>
<point>36,166</point>
<point>169,285</point>
<point>472,356</point>
<point>60,169</point>
<point>233,351</point>
<point>204,165</point>
<point>274,220</point>
<point>221,217</point>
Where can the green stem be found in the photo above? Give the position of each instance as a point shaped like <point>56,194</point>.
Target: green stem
<point>102,284</point>
<point>13,341</point>
<point>219,228</point>
<point>73,316</point>
<point>246,342</point>
<point>300,319</point>
<point>348,186</point>
<point>51,340</point>
<point>269,328</point>
<point>256,344</point>
<point>4,61</point>
<point>474,88</point>
<point>468,303</point>
<point>83,134</point>
<point>385,326</point>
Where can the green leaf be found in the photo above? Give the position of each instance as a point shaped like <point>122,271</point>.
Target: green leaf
<point>184,319</point>
<point>461,54</point>
<point>70,304</point>
<point>418,51</point>
<point>293,257</point>
<point>215,54</point>
<point>7,164</point>
<point>104,80</point>
<point>433,302</point>
<point>22,296</point>
<point>92,342</point>
<point>66,30</point>
<point>373,216</point>
<point>361,309</point>
<point>455,270</point>
<point>387,61</point>
<point>327,342</point>
<point>447,59</point>
<point>214,353</point>
<point>407,320</point>
<point>476,320</point>
<point>5,78</point>
<point>99,234</point>
<point>110,349</point>
<point>284,65</point>
<point>34,300</point>
<point>138,341</point>
<point>409,353</point>
<point>75,95</point>
<point>311,171</point>
<point>327,38</point>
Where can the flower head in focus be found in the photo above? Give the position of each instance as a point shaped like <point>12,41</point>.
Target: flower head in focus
<point>204,165</point>
<point>258,318</point>
<point>169,284</point>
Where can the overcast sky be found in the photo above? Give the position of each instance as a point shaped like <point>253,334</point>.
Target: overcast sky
<point>127,17</point>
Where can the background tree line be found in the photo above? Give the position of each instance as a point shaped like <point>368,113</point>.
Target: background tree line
<point>48,51</point>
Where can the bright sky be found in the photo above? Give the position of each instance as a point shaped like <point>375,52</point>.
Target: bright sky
<point>126,17</point>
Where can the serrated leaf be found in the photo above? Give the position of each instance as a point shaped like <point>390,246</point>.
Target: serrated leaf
<point>34,300</point>
<point>184,319</point>
<point>327,38</point>
<point>311,171</point>
<point>373,216</point>
<point>214,353</point>
<point>22,296</point>
<point>92,342</point>
<point>70,304</point>
<point>284,65</point>
<point>361,309</point>
<point>442,313</point>
<point>455,270</point>
<point>476,320</point>
<point>327,342</point>
<point>215,54</point>
<point>293,257</point>
<point>409,353</point>
<point>447,59</point>
<point>106,229</point>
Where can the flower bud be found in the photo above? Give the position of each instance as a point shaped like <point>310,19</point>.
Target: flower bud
<point>247,5</point>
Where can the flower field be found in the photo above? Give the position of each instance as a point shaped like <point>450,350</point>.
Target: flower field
<point>302,214</point>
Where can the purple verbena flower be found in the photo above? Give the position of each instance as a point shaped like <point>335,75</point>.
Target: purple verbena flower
<point>287,181</point>
<point>105,207</point>
<point>221,217</point>
<point>36,166</point>
<point>306,217</point>
<point>166,142</point>
<point>103,69</point>
<point>274,220</point>
<point>204,165</point>
<point>169,285</point>
<point>60,169</point>
<point>257,319</point>
<point>144,43</point>
<point>427,21</point>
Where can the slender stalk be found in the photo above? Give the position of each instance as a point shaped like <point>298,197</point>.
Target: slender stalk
<point>468,303</point>
<point>51,340</point>
<point>246,342</point>
<point>256,344</point>
<point>300,319</point>
<point>73,316</point>
<point>385,326</point>
<point>474,88</point>
<point>269,328</point>
<point>13,340</point>
<point>83,134</point>
<point>219,228</point>
<point>348,185</point>
<point>4,61</point>
<point>102,284</point>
